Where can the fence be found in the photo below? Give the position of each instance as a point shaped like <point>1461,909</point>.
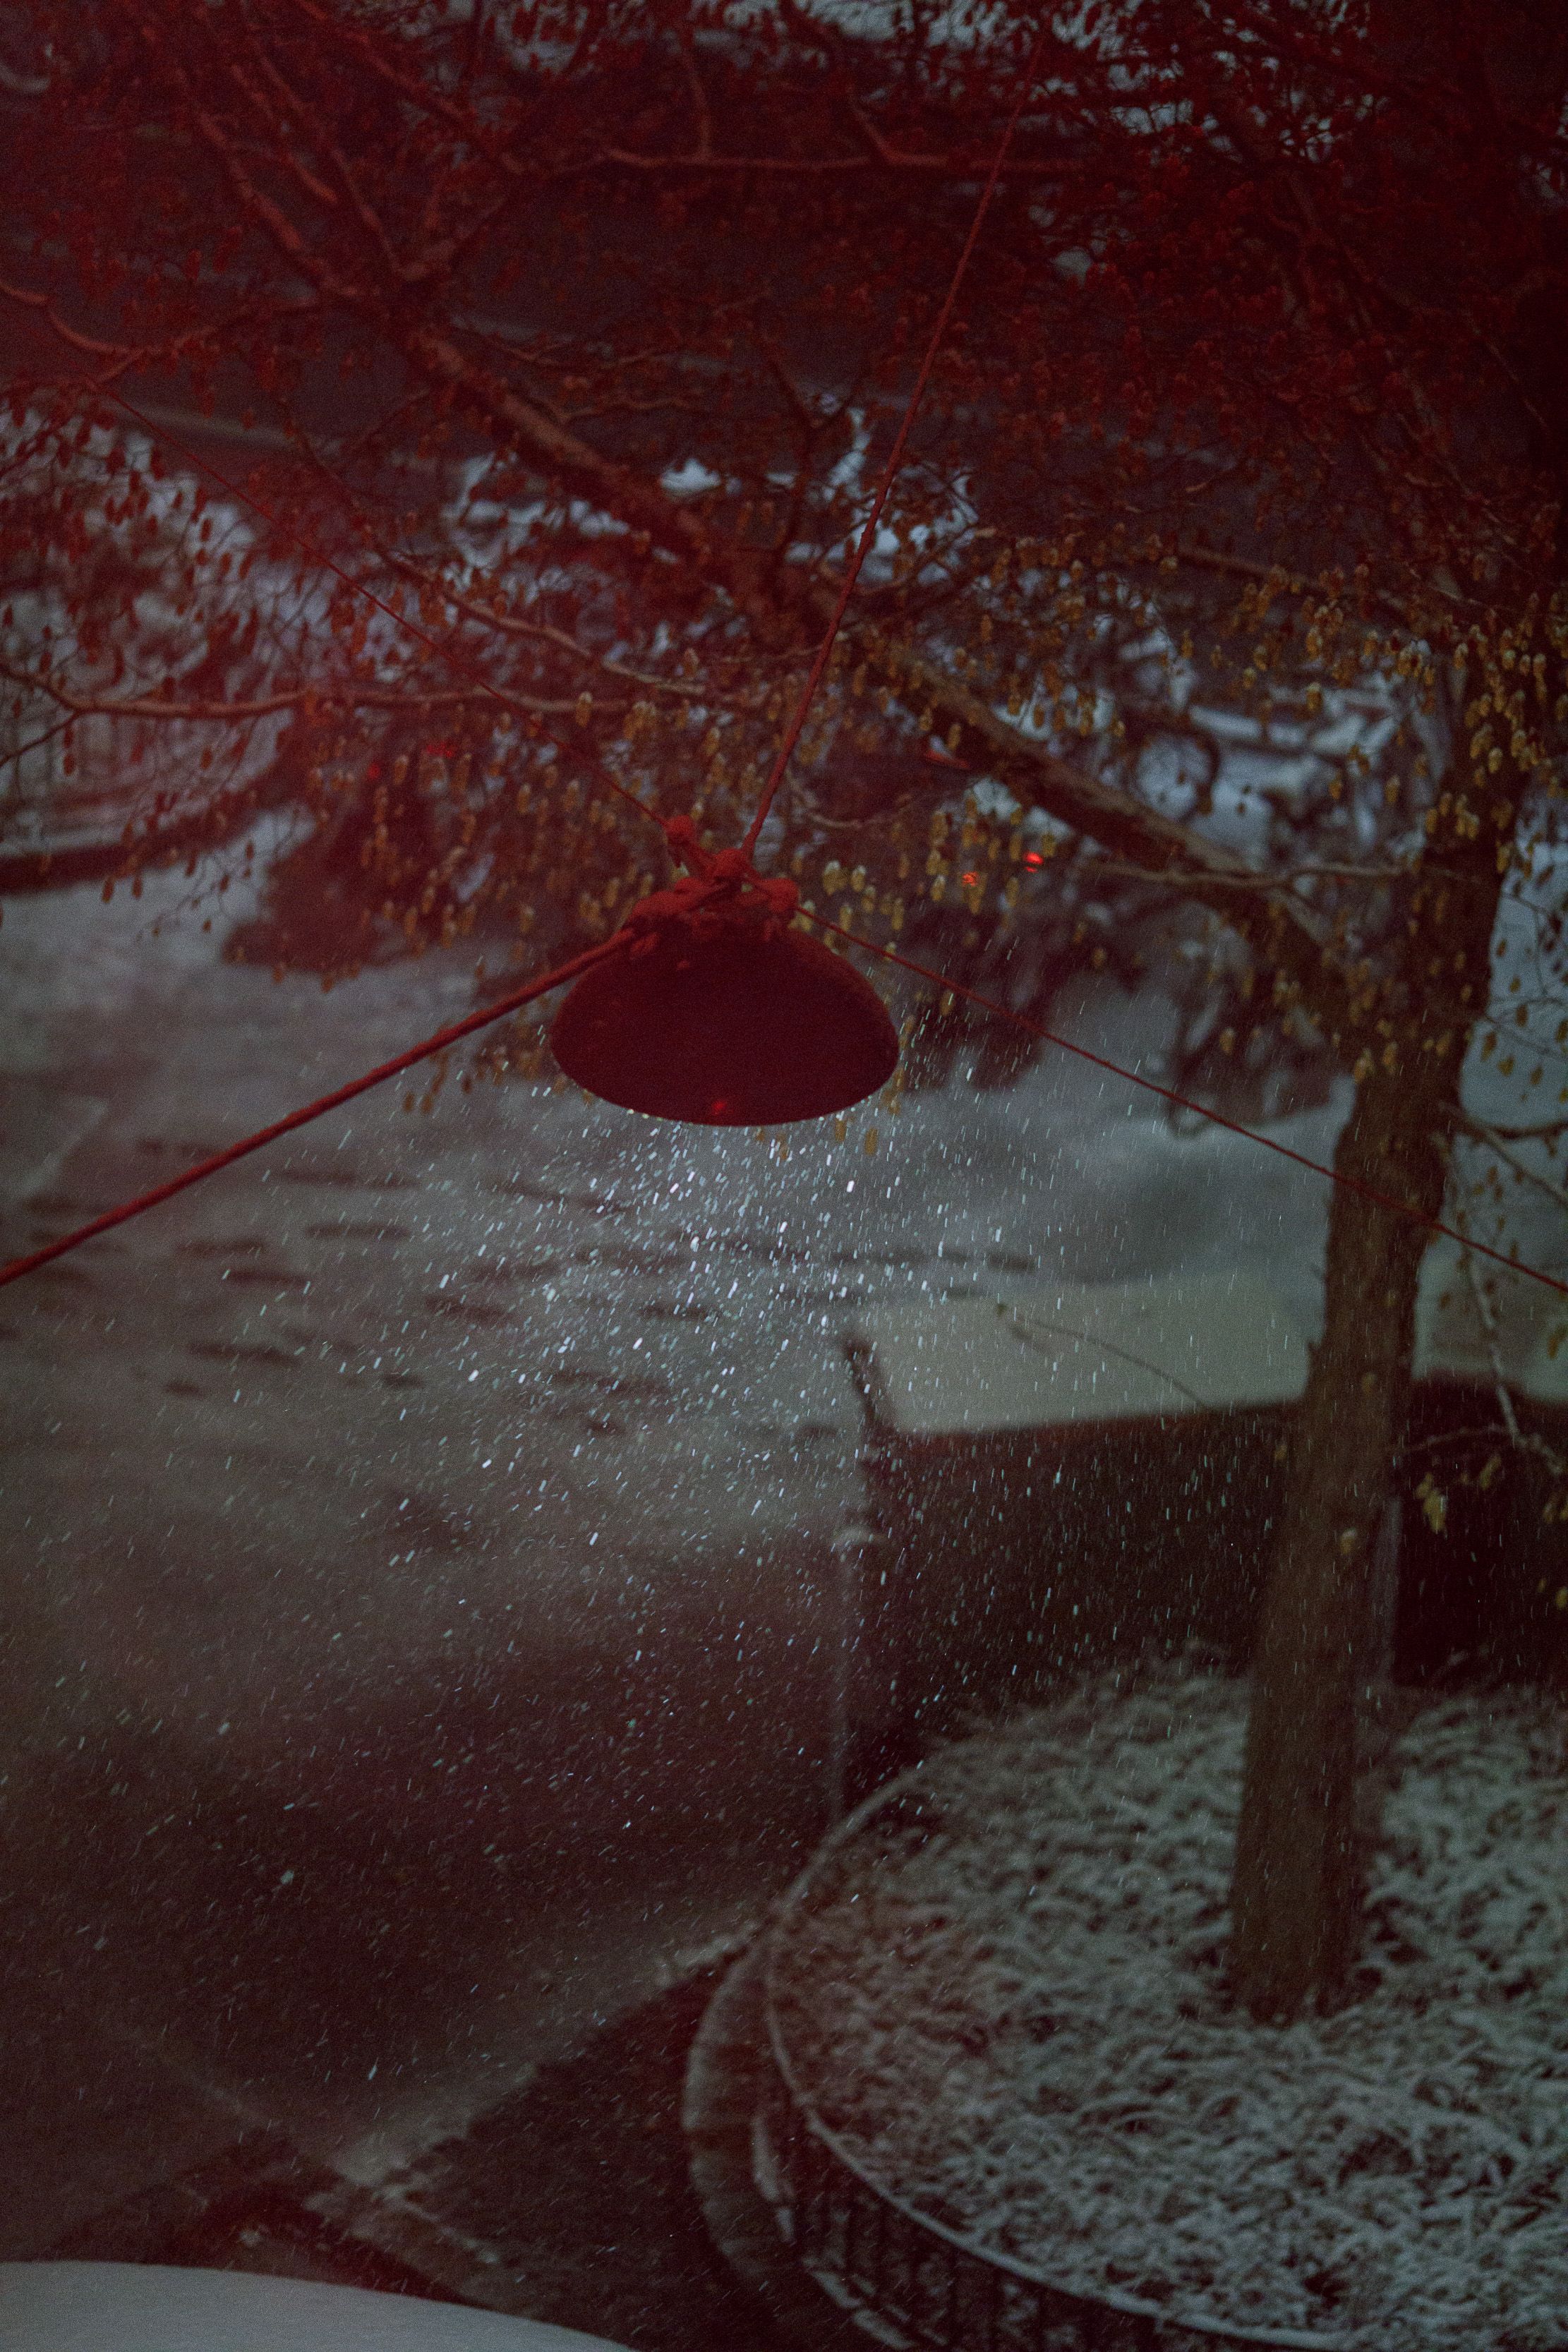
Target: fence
<point>906,2277</point>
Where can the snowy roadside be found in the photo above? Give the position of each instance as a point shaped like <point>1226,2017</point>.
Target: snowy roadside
<point>1008,2002</point>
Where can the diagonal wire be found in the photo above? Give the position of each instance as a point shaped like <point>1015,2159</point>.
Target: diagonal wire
<point>563,973</point>
<point>489,1014</point>
<point>452,1036</point>
<point>1184,1102</point>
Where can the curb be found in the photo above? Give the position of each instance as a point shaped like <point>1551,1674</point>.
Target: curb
<point>725,2073</point>
<point>454,2268</point>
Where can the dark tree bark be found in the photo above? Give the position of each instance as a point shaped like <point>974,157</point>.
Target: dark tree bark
<point>1296,1888</point>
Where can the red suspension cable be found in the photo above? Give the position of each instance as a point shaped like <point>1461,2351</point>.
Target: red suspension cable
<point>568,971</point>
<point>895,455</point>
<point>309,1111</point>
<point>1184,1102</point>
<point>473,676</point>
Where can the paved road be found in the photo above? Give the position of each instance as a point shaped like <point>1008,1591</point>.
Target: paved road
<point>417,1629</point>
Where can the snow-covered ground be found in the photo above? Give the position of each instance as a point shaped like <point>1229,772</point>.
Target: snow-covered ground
<point>1014,2014</point>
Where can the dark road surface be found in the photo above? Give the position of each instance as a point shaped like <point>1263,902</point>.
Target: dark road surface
<point>416,1541</point>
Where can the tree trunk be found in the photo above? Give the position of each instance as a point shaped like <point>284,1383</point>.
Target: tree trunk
<point>1297,1889</point>
<point>1295,1900</point>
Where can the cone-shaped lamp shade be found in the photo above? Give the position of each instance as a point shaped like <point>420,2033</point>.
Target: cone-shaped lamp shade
<point>740,1029</point>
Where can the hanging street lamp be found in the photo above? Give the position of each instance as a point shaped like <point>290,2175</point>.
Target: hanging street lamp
<point>722,1011</point>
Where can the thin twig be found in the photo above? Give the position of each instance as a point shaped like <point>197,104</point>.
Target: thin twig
<point>1255,881</point>
<point>1522,1441</point>
<point>1481,1133</point>
<point>546,633</point>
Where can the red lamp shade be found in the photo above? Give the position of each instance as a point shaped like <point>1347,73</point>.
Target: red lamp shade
<point>733,1025</point>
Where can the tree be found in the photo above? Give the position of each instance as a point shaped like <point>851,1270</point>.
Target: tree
<point>568,339</point>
